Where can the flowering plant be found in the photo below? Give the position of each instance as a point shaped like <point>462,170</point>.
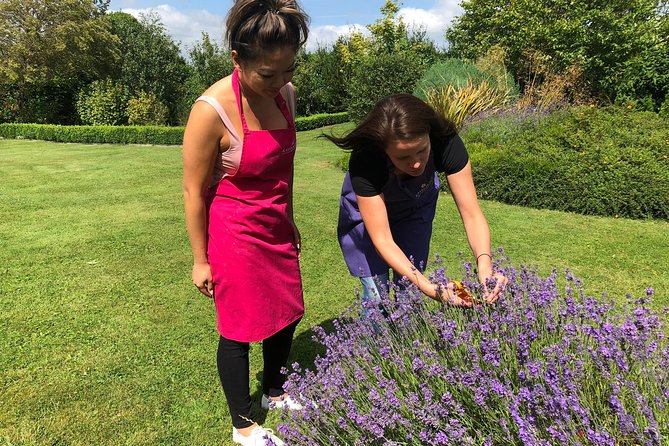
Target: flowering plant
<point>540,367</point>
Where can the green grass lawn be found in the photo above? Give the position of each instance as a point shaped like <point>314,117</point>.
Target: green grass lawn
<point>103,338</point>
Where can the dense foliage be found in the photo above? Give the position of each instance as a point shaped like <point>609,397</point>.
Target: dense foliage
<point>390,60</point>
<point>49,49</point>
<point>379,76</point>
<point>542,366</point>
<point>97,134</point>
<point>150,61</point>
<point>103,103</point>
<point>322,87</point>
<point>621,46</point>
<point>146,109</point>
<point>612,161</point>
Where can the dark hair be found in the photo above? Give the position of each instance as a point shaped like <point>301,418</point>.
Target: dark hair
<point>253,26</point>
<point>395,118</point>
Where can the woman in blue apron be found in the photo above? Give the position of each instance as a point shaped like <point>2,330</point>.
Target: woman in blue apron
<point>389,198</point>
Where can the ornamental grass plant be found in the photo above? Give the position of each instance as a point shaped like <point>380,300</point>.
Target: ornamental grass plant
<point>545,365</point>
<point>459,103</point>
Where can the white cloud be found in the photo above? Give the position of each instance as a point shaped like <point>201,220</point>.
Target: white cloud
<point>185,27</point>
<point>322,36</point>
<point>434,20</point>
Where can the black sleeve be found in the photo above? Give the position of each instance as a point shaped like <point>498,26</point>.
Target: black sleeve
<point>369,172</point>
<point>451,157</point>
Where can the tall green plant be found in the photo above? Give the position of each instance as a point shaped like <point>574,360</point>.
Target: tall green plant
<point>458,104</point>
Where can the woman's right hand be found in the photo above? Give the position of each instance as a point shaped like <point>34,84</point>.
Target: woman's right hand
<point>453,295</point>
<point>202,279</point>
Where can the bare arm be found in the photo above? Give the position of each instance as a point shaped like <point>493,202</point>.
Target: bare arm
<point>476,225</point>
<point>375,217</point>
<point>201,144</point>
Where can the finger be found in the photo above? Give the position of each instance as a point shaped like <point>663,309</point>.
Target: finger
<point>494,296</point>
<point>204,288</point>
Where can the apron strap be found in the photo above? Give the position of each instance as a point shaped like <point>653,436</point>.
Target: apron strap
<point>238,97</point>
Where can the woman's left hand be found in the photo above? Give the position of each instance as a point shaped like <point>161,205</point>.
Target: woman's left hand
<point>500,283</point>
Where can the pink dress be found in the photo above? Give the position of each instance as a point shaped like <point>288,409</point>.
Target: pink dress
<point>251,241</point>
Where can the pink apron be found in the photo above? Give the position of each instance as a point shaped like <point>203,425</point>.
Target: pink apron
<point>251,241</point>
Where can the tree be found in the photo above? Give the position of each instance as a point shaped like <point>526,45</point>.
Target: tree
<point>41,40</point>
<point>49,49</point>
<point>209,61</point>
<point>390,60</point>
<point>150,60</point>
<point>600,36</point>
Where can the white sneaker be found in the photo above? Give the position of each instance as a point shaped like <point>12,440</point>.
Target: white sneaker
<point>259,437</point>
<point>286,402</point>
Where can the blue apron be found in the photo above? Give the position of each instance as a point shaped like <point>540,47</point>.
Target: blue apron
<point>411,204</point>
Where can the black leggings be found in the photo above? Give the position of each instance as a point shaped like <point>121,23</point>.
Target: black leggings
<point>233,370</point>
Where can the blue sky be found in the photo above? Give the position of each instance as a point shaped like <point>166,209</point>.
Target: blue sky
<point>186,19</point>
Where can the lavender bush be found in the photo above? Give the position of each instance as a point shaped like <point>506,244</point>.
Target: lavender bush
<point>542,366</point>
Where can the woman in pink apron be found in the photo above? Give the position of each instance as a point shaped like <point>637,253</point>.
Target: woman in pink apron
<point>238,154</point>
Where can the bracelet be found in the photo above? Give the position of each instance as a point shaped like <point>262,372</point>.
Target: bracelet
<point>482,254</point>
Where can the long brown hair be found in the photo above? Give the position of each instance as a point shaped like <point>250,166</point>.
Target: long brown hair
<point>396,117</point>
<point>253,26</point>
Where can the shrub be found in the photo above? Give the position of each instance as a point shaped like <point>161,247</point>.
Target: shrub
<point>132,134</point>
<point>664,108</point>
<point>455,72</point>
<point>103,103</point>
<point>381,75</point>
<point>95,134</point>
<point>493,65</point>
<point>610,161</point>
<point>539,367</point>
<point>320,84</point>
<point>41,102</point>
<point>320,120</point>
<point>146,109</point>
<point>544,88</point>
<point>457,104</point>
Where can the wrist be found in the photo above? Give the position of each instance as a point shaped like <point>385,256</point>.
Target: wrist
<point>484,257</point>
<point>438,292</point>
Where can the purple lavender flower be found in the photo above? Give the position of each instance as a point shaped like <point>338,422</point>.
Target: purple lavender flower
<point>543,366</point>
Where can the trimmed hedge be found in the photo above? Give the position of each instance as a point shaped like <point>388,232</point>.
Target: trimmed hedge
<point>610,161</point>
<point>320,120</point>
<point>97,134</point>
<point>156,135</point>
